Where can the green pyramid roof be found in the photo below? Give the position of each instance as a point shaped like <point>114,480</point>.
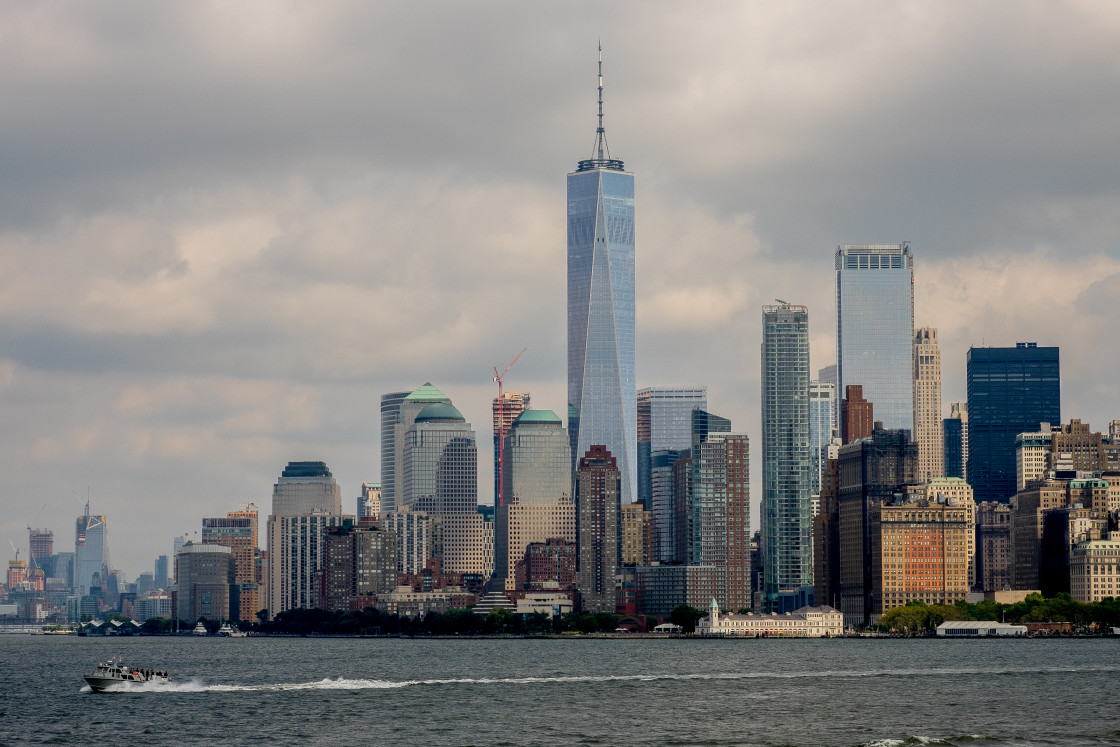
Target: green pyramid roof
<point>537,416</point>
<point>440,411</point>
<point>427,393</point>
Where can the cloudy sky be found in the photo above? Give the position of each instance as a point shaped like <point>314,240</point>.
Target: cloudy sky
<point>227,229</point>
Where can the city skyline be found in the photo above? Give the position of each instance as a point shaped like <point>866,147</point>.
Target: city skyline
<point>226,260</point>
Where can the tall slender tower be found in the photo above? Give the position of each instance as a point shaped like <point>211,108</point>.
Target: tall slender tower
<point>602,404</point>
<point>787,528</point>
<point>598,482</point>
<point>875,327</point>
<point>928,429</point>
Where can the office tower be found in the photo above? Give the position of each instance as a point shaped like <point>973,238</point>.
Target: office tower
<point>91,553</point>
<point>598,495</point>
<point>538,488</point>
<point>466,543</point>
<point>822,424</point>
<point>305,500</point>
<point>369,501</point>
<point>786,516</point>
<point>875,327</point>
<point>359,562</point>
<point>871,471</point>
<point>206,573</point>
<point>956,441</point>
<point>1010,391</point>
<point>928,433</point>
<point>857,415</point>
<point>390,417</point>
<point>721,491</point>
<point>504,412</point>
<point>664,422</point>
<point>397,415</point>
<point>830,375</point>
<point>601,383</point>
<point>1068,448</point>
<point>1029,508</point>
<point>440,465</point>
<point>688,509</point>
<point>414,532</point>
<point>238,531</point>
<point>162,576</point>
<point>993,546</point>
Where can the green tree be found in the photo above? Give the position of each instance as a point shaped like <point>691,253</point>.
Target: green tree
<point>686,617</point>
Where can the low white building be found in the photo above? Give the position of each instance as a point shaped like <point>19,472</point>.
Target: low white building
<point>552,605</point>
<point>807,622</point>
<point>978,628</point>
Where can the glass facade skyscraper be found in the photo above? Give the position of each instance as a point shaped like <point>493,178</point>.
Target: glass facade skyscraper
<point>787,529</point>
<point>875,328</point>
<point>601,381</point>
<point>664,422</point>
<point>1010,391</point>
<point>822,422</point>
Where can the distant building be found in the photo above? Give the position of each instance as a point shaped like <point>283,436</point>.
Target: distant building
<point>928,428</point>
<point>955,429</point>
<point>548,564</point>
<point>359,563</point>
<point>993,546</point>
<point>664,423</point>
<point>414,531</point>
<point>505,411</point>
<point>162,580</point>
<point>1028,512</point>
<point>823,425</point>
<point>1067,448</point>
<point>1094,570</point>
<point>721,492</point>
<point>807,622</point>
<point>390,420</point>
<point>440,465</point>
<point>663,588</point>
<point>1010,391</point>
<point>405,602</point>
<point>663,504</point>
<point>875,327</point>
<point>205,573</point>
<point>238,531</point>
<point>636,534</point>
<point>91,553</point>
<point>857,415</point>
<point>598,493</point>
<point>369,501</point>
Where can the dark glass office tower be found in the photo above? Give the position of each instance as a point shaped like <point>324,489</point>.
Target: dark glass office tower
<point>1010,391</point>
<point>602,395</point>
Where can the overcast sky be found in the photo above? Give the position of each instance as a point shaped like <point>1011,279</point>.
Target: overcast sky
<point>227,229</point>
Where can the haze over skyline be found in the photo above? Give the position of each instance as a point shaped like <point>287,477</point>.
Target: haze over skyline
<point>226,231</point>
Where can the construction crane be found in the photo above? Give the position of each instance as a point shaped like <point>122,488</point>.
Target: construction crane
<point>498,377</point>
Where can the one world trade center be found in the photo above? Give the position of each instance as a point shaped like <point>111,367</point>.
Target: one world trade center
<point>602,395</point>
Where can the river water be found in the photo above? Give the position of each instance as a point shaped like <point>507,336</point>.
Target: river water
<point>581,691</point>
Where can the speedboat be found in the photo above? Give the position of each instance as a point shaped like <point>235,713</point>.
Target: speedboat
<point>200,629</point>
<point>116,676</point>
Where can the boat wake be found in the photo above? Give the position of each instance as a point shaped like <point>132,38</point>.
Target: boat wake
<point>344,683</point>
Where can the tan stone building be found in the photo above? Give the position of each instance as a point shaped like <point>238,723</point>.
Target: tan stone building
<point>1069,447</point>
<point>1028,512</point>
<point>928,428</point>
<point>1095,569</point>
<point>636,534</point>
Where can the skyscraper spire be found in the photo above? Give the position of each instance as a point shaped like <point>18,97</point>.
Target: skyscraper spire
<point>601,153</point>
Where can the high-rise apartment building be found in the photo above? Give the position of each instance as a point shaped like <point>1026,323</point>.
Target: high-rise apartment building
<point>721,491</point>
<point>539,504</point>
<point>822,427</point>
<point>91,553</point>
<point>786,512</point>
<point>238,531</point>
<point>601,358</point>
<point>928,429</point>
<point>875,327</point>
<point>305,501</point>
<point>415,538</point>
<point>857,415</point>
<point>956,441</point>
<point>636,534</point>
<point>664,422</point>
<point>689,511</point>
<point>598,495</point>
<point>504,412</point>
<point>390,419</point>
<point>359,563</point>
<point>1010,391</point>
<point>662,504</point>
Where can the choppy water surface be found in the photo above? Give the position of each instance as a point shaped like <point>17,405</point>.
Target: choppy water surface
<point>514,692</point>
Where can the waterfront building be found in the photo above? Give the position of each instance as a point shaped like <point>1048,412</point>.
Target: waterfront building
<point>404,601</point>
<point>664,423</point>
<point>872,470</point>
<point>390,419</point>
<point>1010,391</point>
<point>875,327</point>
<point>305,500</point>
<point>238,531</point>
<point>205,574</point>
<point>979,629</point>
<point>823,426</point>
<point>504,412</point>
<point>662,588</point>
<point>153,604</point>
<point>993,546</point>
<point>787,528</point>
<point>1095,569</point>
<point>807,622</point>
<point>539,503</point>
<point>359,563</point>
<point>928,428</point>
<point>955,428</point>
<point>602,391</point>
<point>857,415</point>
<point>598,494</point>
<point>369,501</point>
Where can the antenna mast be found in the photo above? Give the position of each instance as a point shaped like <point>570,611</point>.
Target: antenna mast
<point>501,430</point>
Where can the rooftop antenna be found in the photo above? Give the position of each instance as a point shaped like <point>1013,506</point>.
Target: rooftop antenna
<point>602,150</point>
